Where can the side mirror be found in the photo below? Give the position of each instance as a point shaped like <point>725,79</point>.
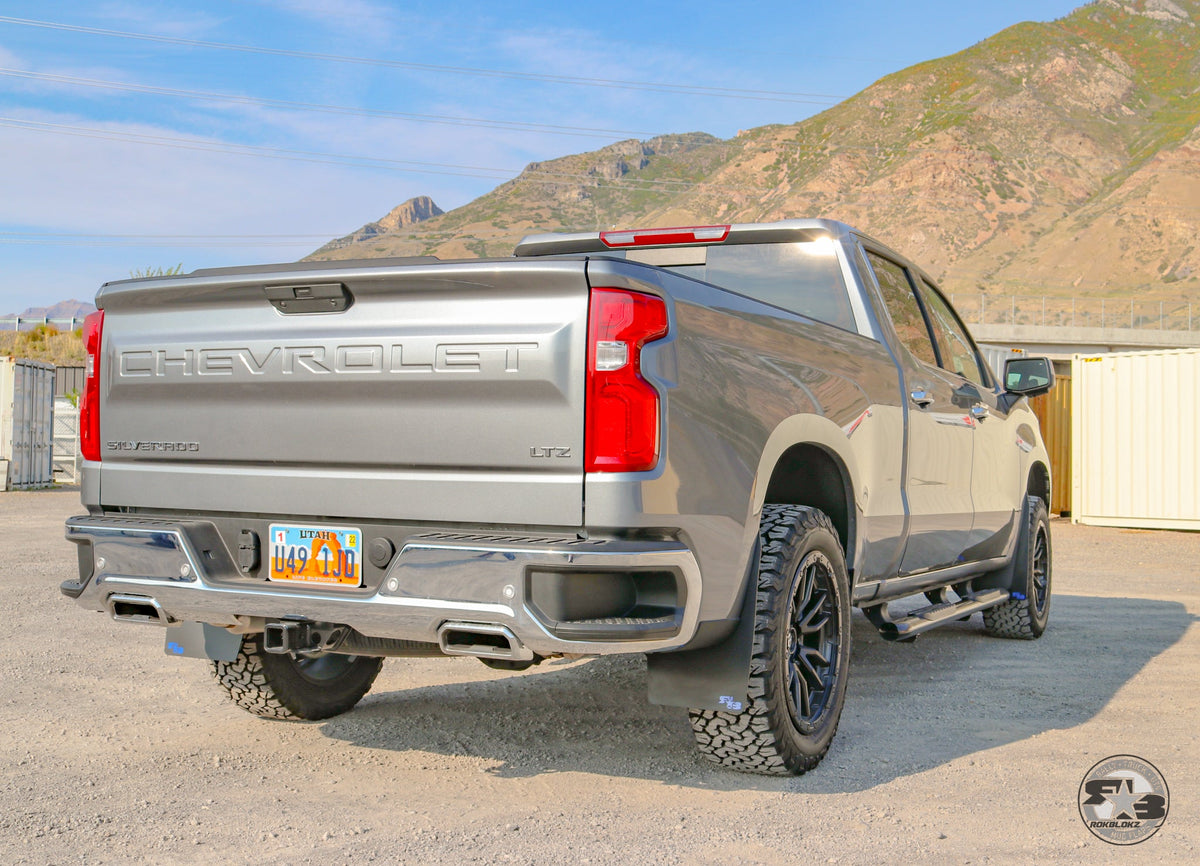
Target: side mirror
<point>1028,377</point>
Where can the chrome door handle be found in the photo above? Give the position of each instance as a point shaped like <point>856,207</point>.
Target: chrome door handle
<point>979,412</point>
<point>921,397</point>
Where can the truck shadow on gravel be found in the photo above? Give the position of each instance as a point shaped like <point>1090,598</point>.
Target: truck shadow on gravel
<point>911,707</point>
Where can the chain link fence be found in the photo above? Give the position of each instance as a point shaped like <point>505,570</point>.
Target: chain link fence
<point>1077,312</point>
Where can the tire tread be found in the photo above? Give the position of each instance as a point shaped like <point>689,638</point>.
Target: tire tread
<point>1014,619</point>
<point>746,740</point>
<point>259,690</point>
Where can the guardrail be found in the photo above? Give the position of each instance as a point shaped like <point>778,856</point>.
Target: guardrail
<point>1054,312</point>
<point>16,323</point>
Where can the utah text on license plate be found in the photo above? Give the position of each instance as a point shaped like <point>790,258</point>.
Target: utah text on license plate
<point>315,554</point>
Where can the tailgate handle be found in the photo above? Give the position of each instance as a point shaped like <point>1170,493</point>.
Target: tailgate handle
<point>310,298</point>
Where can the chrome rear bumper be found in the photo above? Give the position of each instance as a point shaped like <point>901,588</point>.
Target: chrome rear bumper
<point>185,573</point>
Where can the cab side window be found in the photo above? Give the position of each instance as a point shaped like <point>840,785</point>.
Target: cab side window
<point>954,347</point>
<point>902,307</point>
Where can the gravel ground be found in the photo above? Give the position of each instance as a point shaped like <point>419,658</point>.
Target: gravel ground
<point>957,748</point>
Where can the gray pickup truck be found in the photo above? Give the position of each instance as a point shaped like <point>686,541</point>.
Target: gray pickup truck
<point>703,444</point>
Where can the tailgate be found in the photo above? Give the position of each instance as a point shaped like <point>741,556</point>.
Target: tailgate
<point>444,392</point>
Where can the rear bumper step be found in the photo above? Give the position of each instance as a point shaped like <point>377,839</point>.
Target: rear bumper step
<point>467,597</point>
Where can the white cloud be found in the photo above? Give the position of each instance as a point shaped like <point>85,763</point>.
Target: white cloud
<point>75,183</point>
<point>9,60</point>
<point>69,184</point>
<point>363,17</point>
<point>157,19</point>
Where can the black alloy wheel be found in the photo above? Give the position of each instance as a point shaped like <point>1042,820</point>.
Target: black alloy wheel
<point>812,641</point>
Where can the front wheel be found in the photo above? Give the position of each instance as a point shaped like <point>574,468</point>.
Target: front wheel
<point>1025,614</point>
<point>295,687</point>
<point>801,654</point>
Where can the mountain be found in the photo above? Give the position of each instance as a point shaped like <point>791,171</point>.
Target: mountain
<point>1055,158</point>
<point>409,213</point>
<point>61,310</point>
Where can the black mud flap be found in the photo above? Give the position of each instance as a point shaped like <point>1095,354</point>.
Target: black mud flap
<point>199,640</point>
<point>1006,576</point>
<point>712,678</point>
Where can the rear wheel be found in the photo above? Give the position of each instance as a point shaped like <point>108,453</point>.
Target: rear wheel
<point>1025,614</point>
<point>801,655</point>
<point>295,687</point>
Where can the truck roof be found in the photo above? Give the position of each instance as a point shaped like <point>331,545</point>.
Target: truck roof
<point>783,231</point>
<point>552,244</point>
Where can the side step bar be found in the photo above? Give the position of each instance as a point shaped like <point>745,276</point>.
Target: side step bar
<point>925,618</point>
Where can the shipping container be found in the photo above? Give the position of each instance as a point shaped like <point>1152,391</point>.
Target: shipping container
<point>1135,439</point>
<point>997,355</point>
<point>1053,412</point>
<point>26,423</point>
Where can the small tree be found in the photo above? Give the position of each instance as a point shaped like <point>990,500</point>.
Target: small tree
<point>159,271</point>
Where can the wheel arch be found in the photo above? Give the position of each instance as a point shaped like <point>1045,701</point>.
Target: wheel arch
<point>1039,482</point>
<point>712,676</point>
<point>804,463</point>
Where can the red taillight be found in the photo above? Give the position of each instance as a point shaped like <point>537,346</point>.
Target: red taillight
<point>664,237</point>
<point>621,432</point>
<point>89,403</point>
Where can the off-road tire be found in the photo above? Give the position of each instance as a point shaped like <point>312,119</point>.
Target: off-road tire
<point>1024,616</point>
<point>295,688</point>
<point>802,609</point>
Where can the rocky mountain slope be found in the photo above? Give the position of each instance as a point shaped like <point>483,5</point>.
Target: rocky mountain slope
<point>409,213</point>
<point>1054,158</point>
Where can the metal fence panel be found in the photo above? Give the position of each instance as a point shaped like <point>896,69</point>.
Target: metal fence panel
<point>1136,439</point>
<point>66,441</point>
<point>68,379</point>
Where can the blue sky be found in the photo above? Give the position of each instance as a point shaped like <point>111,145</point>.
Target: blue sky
<point>140,134</point>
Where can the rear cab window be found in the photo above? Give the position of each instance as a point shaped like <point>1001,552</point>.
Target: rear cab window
<point>803,277</point>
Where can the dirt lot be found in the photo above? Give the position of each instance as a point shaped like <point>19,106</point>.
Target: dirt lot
<point>958,748</point>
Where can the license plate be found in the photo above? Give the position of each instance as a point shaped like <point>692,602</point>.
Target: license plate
<point>315,554</point>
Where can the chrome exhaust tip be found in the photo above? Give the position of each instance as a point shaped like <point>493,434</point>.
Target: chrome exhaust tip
<point>482,640</point>
<point>138,609</point>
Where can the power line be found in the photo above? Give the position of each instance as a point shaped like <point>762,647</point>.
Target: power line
<point>401,165</point>
<point>536,175</point>
<point>92,239</point>
<point>4,234</point>
<point>181,244</point>
<point>610,83</point>
<point>451,120</point>
<point>197,144</point>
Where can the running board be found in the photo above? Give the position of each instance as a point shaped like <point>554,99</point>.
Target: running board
<point>923,619</point>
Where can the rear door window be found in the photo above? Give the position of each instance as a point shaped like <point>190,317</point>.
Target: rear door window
<point>957,353</point>
<point>903,308</point>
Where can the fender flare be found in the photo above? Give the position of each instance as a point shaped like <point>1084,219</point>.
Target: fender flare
<point>715,677</point>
